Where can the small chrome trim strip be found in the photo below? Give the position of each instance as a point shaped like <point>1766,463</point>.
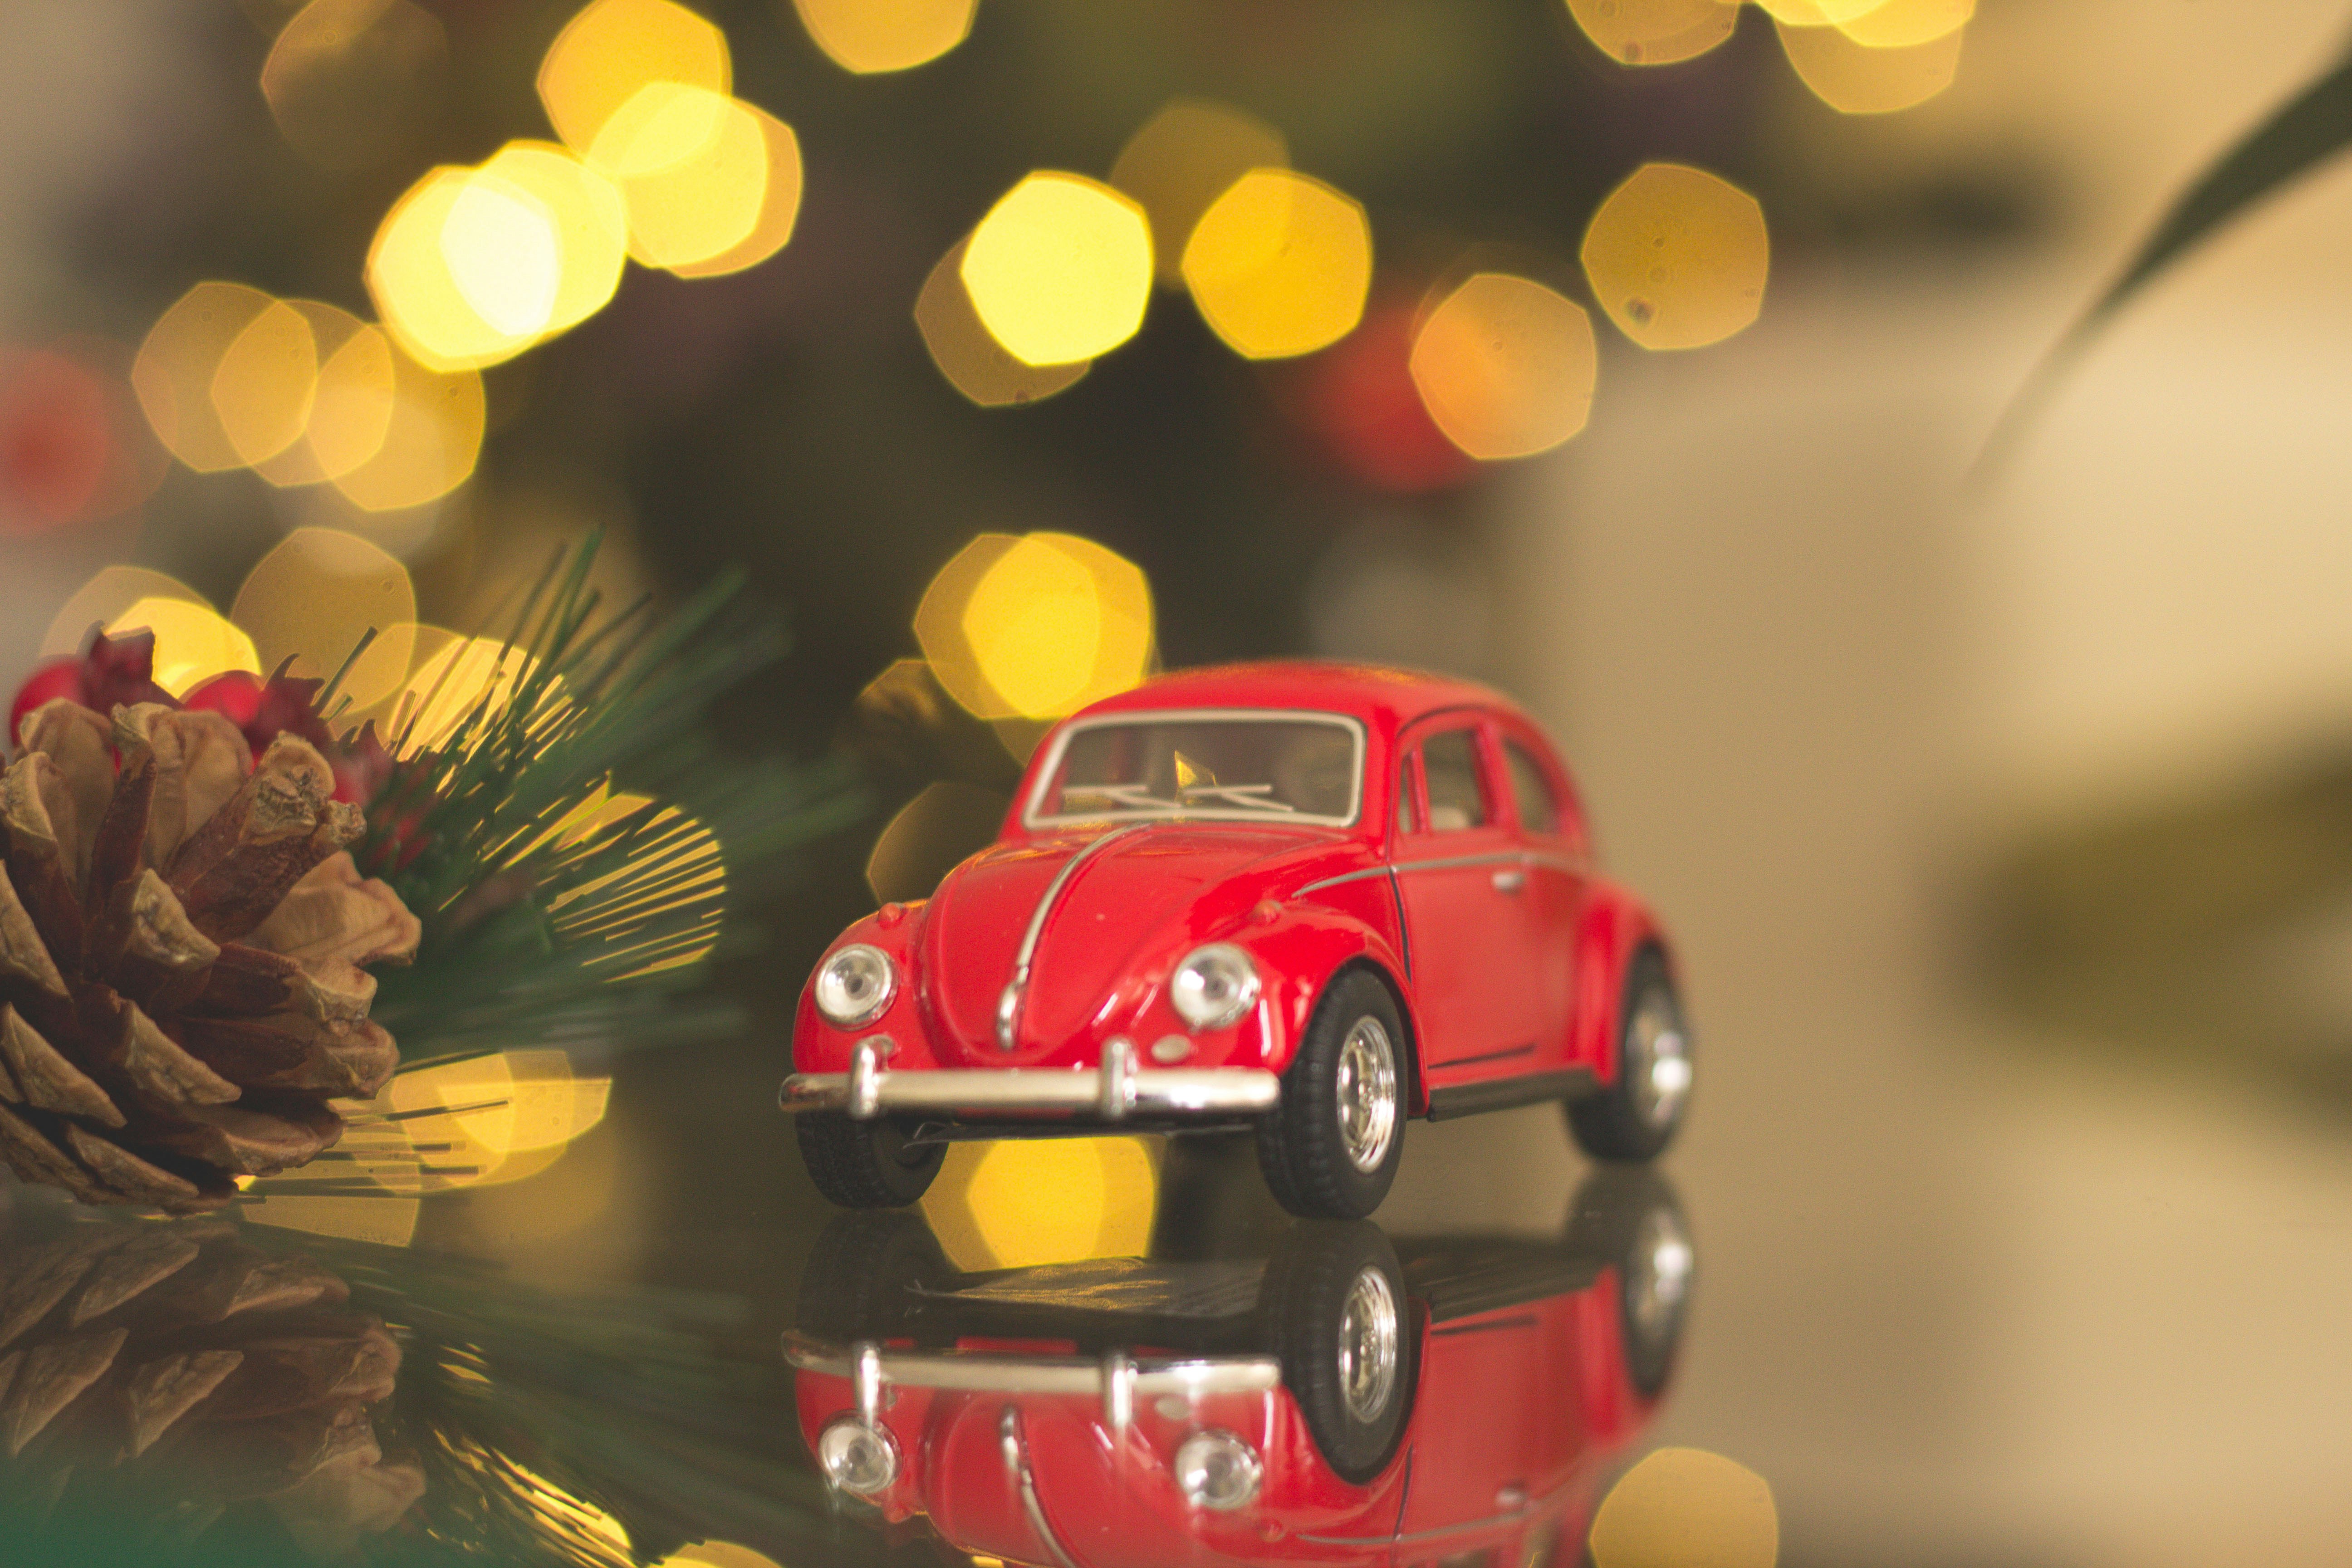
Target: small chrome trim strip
<point>1016,1466</point>
<point>1343,878</point>
<point>1449,862</point>
<point>993,1372</point>
<point>1112,1092</point>
<point>1008,1006</point>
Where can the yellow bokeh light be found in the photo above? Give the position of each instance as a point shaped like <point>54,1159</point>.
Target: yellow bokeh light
<point>1060,619</point>
<point>1685,1507</point>
<point>1906,24</point>
<point>717,1554</point>
<point>1183,159</point>
<point>692,166</point>
<point>1021,1203</point>
<point>261,392</point>
<point>315,596</point>
<point>1817,13</point>
<point>1678,257</point>
<point>940,826</point>
<point>615,48</point>
<point>192,641</point>
<point>588,224</point>
<point>376,1217</point>
<point>449,683</point>
<point>177,362</point>
<point>1060,269</point>
<point>1506,366</point>
<point>350,414</point>
<point>484,1122</point>
<point>328,408</point>
<point>432,439</point>
<point>663,909</point>
<point>1856,79</point>
<point>433,265</point>
<point>975,363</point>
<point>869,36</point>
<point>1655,32</point>
<point>349,80</point>
<point>780,205</point>
<point>1280,265</point>
<point>503,252</point>
<point>103,599</point>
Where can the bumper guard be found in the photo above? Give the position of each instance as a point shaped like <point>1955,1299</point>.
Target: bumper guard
<point>1112,1092</point>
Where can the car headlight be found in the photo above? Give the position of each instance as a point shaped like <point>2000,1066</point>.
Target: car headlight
<point>857,1457</point>
<point>1213,986</point>
<point>855,985</point>
<point>1218,1470</point>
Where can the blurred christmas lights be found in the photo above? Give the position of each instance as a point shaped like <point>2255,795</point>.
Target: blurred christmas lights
<point>1678,257</point>
<point>1904,23</point>
<point>1060,268</point>
<point>1280,265</point>
<point>871,36</point>
<point>1506,366</point>
<point>312,598</point>
<point>975,363</point>
<point>1036,625</point>
<point>613,49</point>
<point>1655,32</point>
<point>1183,158</point>
<point>1856,78</point>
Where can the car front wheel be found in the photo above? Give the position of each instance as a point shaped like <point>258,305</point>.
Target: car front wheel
<point>1635,1116</point>
<point>1330,1148</point>
<point>865,1164</point>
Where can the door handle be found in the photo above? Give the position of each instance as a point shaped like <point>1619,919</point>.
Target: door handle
<point>1510,881</point>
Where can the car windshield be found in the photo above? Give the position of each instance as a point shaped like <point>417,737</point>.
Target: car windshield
<point>1295,767</point>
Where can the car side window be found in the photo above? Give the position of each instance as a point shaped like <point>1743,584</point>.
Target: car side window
<point>1449,768</point>
<point>1531,791</point>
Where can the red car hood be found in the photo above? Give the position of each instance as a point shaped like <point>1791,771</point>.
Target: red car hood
<point>1149,890</point>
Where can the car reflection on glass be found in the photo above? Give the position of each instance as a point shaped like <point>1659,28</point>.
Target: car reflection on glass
<point>1348,1399</point>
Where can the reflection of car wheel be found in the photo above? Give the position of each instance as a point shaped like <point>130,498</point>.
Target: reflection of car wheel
<point>867,1278</point>
<point>1635,1116</point>
<point>1330,1150</point>
<point>1629,1220</point>
<point>865,1164</point>
<point>1343,1329</point>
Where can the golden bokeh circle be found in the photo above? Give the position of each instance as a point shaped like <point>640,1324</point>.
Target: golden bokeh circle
<point>1505,366</point>
<point>1183,158</point>
<point>975,363</point>
<point>1678,257</point>
<point>613,48</point>
<point>863,36</point>
<point>1034,626</point>
<point>1655,32</point>
<point>1685,1507</point>
<point>1854,77</point>
<point>177,362</point>
<point>1060,268</point>
<point>312,599</point>
<point>1280,263</point>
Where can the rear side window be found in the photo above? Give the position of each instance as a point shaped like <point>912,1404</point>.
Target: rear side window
<point>1449,768</point>
<point>1531,791</point>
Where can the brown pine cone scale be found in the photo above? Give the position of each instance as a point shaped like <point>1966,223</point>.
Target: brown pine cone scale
<point>183,943</point>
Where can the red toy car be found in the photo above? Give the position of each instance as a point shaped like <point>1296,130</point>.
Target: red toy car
<point>1311,899</point>
<point>1347,1401</point>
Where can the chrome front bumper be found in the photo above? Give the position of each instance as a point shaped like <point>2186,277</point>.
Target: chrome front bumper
<point>1117,1379</point>
<point>1113,1091</point>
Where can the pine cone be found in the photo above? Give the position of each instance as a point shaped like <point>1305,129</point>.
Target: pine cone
<point>155,1375</point>
<point>182,937</point>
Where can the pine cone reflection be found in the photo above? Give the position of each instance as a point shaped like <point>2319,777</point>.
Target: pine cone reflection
<point>155,1376</point>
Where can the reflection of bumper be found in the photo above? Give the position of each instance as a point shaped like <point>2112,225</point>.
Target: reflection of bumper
<point>1116,1380</point>
<point>1112,1092</point>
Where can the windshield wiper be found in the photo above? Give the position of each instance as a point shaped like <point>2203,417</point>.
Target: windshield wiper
<point>1133,794</point>
<point>1257,795</point>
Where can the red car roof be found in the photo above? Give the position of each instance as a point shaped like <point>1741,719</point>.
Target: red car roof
<point>1369,691</point>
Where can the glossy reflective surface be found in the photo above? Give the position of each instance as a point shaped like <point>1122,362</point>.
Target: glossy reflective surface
<point>583,1367</point>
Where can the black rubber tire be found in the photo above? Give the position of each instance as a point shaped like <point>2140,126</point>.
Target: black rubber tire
<point>1609,1124</point>
<point>865,1164</point>
<point>1624,1216</point>
<point>870,1276</point>
<point>1306,1297</point>
<point>1298,1142</point>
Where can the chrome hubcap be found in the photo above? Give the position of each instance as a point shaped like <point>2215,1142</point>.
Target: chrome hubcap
<point>1658,1059</point>
<point>1369,1339</point>
<point>1658,1276</point>
<point>1367,1094</point>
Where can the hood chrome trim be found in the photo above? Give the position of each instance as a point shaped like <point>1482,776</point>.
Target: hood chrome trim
<point>1008,1005</point>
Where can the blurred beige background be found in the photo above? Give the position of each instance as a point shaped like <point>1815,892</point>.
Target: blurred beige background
<point>1969,1296</point>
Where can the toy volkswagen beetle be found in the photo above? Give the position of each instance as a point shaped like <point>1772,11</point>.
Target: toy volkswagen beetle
<point>1315,899</point>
